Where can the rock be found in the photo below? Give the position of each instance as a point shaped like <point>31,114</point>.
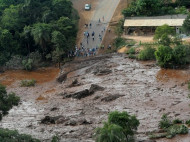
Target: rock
<point>102,72</point>
<point>111,98</point>
<point>96,97</point>
<point>54,108</point>
<point>74,83</point>
<point>81,94</point>
<point>95,88</point>
<point>84,122</point>
<point>62,77</point>
<point>71,122</point>
<point>50,120</point>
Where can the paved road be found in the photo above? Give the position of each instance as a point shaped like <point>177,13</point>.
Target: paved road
<point>106,9</point>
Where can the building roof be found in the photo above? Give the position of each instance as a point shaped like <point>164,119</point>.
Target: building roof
<point>152,22</point>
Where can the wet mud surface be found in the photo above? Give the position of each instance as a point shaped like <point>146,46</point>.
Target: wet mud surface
<point>140,88</point>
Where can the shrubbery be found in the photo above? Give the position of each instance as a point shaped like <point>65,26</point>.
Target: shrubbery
<point>170,129</point>
<point>119,128</point>
<point>168,57</point>
<point>119,42</point>
<point>28,83</point>
<point>7,135</point>
<point>7,101</point>
<point>147,53</point>
<point>28,64</point>
<point>131,50</point>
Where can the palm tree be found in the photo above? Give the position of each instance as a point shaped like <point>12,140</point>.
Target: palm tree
<point>110,133</point>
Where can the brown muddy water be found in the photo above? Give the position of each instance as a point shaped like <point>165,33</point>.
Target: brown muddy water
<point>42,75</point>
<point>144,88</point>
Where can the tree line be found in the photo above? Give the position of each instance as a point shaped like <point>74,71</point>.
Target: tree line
<point>47,27</point>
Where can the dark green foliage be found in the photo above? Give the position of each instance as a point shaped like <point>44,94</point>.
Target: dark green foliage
<point>187,122</point>
<point>131,51</point>
<point>147,53</point>
<point>177,121</point>
<point>186,25</point>
<point>153,8</point>
<point>163,34</point>
<point>170,129</point>
<point>27,64</point>
<point>132,56</point>
<point>165,122</point>
<point>119,128</point>
<point>110,133</point>
<point>7,135</point>
<point>55,139</point>
<point>176,129</point>
<point>7,101</point>
<point>32,25</point>
<point>164,56</point>
<point>189,85</point>
<point>119,42</point>
<point>127,122</point>
<point>28,83</point>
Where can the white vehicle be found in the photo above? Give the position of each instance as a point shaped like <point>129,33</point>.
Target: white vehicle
<point>87,7</point>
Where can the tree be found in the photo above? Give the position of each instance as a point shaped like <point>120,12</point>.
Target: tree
<point>186,25</point>
<point>41,34</point>
<point>164,56</point>
<point>127,122</point>
<point>110,133</point>
<point>164,34</point>
<point>119,128</point>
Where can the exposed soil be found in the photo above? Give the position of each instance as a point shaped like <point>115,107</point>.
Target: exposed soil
<point>141,88</point>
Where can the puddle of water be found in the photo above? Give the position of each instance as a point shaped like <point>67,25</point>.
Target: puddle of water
<point>168,74</point>
<point>41,75</point>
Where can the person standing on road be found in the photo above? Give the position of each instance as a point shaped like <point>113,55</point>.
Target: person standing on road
<point>103,18</point>
<point>90,25</point>
<point>99,20</point>
<point>93,37</point>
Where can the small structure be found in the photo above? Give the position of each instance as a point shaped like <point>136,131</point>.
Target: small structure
<point>147,25</point>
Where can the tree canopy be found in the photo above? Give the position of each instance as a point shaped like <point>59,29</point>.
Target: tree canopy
<point>36,25</point>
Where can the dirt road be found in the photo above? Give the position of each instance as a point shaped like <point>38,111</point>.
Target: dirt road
<point>103,12</point>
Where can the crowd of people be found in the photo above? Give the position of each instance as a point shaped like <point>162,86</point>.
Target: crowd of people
<point>81,50</point>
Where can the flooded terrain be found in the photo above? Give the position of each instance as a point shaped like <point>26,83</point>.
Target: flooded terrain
<point>140,88</point>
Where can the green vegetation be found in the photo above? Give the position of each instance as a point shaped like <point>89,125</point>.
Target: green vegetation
<point>55,139</point>
<point>187,122</point>
<point>155,8</point>
<point>27,83</point>
<point>147,53</point>
<point>31,26</point>
<point>7,101</point>
<point>119,42</point>
<point>119,128</point>
<point>189,85</point>
<point>170,129</point>
<point>131,50</point>
<point>7,135</point>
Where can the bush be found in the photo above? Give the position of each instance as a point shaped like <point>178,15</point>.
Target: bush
<point>119,128</point>
<point>7,101</point>
<point>131,51</point>
<point>14,63</point>
<point>177,121</point>
<point>55,139</point>
<point>131,56</point>
<point>127,122</point>
<point>187,122</point>
<point>165,122</point>
<point>189,85</point>
<point>28,83</point>
<point>176,129</point>
<point>7,135</point>
<point>28,64</point>
<point>110,133</point>
<point>164,56</point>
<point>147,53</point>
<point>119,42</point>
